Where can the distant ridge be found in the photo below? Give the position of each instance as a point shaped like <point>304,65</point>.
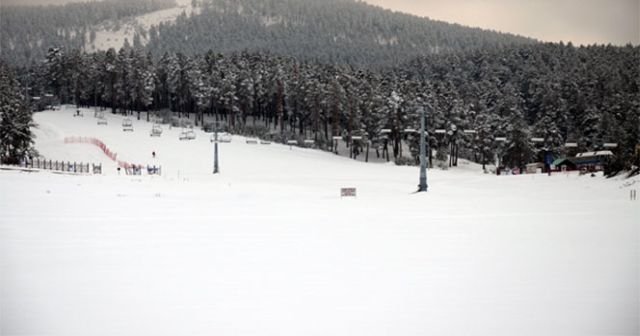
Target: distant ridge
<point>329,31</point>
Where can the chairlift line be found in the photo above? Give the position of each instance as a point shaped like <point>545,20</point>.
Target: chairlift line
<point>470,131</point>
<point>441,131</point>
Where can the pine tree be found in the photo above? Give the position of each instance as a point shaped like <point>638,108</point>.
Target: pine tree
<point>56,72</point>
<point>125,80</point>
<point>16,139</point>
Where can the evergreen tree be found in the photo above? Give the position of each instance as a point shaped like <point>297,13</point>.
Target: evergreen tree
<point>16,139</point>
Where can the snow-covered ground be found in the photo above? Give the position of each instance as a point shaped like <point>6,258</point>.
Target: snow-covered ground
<point>269,248</point>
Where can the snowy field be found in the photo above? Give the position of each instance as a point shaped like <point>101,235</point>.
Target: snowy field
<point>269,248</point>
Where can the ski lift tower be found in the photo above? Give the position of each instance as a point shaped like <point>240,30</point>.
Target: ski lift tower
<point>216,168</point>
<point>422,187</point>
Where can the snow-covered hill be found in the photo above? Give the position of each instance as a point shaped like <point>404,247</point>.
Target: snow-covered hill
<point>268,247</point>
<point>107,37</point>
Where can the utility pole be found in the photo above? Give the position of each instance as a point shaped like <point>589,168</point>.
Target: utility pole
<point>423,152</point>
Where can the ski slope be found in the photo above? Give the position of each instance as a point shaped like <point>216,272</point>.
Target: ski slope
<point>268,247</point>
<point>107,37</point>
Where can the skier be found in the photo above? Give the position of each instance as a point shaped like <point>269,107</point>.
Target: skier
<point>153,154</point>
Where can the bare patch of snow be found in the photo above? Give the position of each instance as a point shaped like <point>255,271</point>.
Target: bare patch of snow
<point>106,38</point>
<point>269,21</point>
<point>381,40</point>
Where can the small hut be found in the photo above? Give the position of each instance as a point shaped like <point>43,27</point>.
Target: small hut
<point>563,164</point>
<point>592,161</point>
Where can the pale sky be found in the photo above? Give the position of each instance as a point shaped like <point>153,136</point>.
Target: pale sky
<point>579,21</point>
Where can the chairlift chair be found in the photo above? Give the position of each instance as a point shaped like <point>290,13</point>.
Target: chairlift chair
<point>156,130</point>
<point>187,134</point>
<point>265,142</point>
<point>223,137</point>
<point>127,125</point>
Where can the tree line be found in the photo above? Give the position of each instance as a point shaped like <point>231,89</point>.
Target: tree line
<point>560,93</point>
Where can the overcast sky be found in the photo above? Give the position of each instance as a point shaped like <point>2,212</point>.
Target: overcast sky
<point>579,21</point>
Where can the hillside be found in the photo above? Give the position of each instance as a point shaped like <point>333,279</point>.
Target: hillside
<point>335,31</point>
<point>135,29</point>
<point>27,32</point>
<point>342,31</point>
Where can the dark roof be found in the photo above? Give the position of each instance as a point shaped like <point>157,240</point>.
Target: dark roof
<point>563,161</point>
<point>587,160</point>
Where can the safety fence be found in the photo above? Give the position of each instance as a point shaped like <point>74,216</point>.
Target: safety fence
<point>93,141</point>
<point>128,167</point>
<point>62,166</point>
<point>131,169</point>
